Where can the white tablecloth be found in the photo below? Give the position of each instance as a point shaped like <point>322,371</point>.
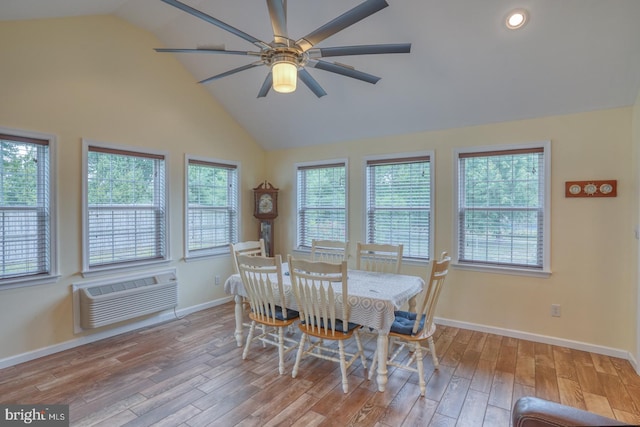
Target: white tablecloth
<point>373,297</point>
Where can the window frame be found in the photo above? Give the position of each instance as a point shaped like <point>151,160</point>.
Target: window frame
<point>88,270</point>
<point>400,158</point>
<point>190,254</point>
<point>53,274</point>
<point>296,206</point>
<point>545,270</point>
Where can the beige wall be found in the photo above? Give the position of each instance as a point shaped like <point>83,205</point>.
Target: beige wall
<point>592,247</point>
<point>636,205</point>
<point>99,78</point>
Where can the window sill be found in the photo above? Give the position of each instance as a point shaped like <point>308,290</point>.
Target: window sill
<point>23,282</point>
<point>118,268</point>
<point>198,257</point>
<point>503,270</point>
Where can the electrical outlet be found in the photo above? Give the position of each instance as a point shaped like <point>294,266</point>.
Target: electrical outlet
<point>217,280</point>
<point>555,310</point>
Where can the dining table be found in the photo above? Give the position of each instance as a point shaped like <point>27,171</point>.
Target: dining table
<point>373,299</point>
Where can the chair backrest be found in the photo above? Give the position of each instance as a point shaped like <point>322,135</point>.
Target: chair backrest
<point>254,247</point>
<point>315,286</point>
<point>262,281</point>
<point>427,306</point>
<point>329,250</point>
<point>379,257</point>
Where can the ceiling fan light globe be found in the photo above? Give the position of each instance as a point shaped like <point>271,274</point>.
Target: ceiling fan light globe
<point>285,76</point>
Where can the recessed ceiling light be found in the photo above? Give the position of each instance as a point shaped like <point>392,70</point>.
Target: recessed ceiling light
<point>516,19</point>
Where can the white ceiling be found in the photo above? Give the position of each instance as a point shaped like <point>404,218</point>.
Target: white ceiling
<point>465,67</point>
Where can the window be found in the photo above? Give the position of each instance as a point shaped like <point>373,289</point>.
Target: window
<point>212,207</point>
<point>322,202</point>
<point>126,207</point>
<point>503,207</point>
<point>398,204</point>
<point>26,212</point>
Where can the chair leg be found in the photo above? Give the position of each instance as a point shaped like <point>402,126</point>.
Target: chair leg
<point>432,349</point>
<point>249,338</point>
<point>281,350</point>
<point>374,362</point>
<point>420,366</point>
<point>360,349</point>
<point>294,372</point>
<point>343,367</point>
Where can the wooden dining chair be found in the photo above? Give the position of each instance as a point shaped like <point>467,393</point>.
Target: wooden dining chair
<point>334,251</point>
<point>262,281</point>
<point>251,247</point>
<point>410,329</point>
<point>320,288</point>
<point>381,258</point>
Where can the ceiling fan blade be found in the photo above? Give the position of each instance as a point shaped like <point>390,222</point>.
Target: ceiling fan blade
<point>278,14</point>
<point>371,49</point>
<point>207,50</point>
<point>344,70</point>
<point>230,72</point>
<point>369,7</point>
<point>266,86</point>
<point>216,22</point>
<point>311,83</point>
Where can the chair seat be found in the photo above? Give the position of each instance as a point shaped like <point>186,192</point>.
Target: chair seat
<point>271,322</point>
<point>292,315</point>
<point>404,321</point>
<point>319,331</point>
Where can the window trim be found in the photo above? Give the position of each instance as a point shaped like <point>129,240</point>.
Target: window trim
<point>88,271</point>
<point>430,154</point>
<point>195,255</point>
<point>545,271</point>
<point>54,270</point>
<point>312,165</point>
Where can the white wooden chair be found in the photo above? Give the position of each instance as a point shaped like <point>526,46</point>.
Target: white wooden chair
<point>329,250</point>
<point>252,247</point>
<point>409,329</point>
<point>323,316</point>
<point>380,258</point>
<point>262,281</point>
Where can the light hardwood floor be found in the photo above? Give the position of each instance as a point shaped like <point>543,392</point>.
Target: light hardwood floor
<point>189,372</point>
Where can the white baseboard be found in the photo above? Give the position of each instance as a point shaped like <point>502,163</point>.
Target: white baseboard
<point>108,333</point>
<point>577,345</point>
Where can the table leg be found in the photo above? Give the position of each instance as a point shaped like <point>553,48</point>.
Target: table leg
<point>239,313</point>
<point>383,349</point>
<point>412,304</point>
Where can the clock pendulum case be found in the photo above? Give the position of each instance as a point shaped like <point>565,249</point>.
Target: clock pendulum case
<point>265,198</point>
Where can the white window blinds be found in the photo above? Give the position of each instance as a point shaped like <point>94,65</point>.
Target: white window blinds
<point>501,208</point>
<point>399,204</point>
<point>322,203</point>
<point>212,207</point>
<point>126,212</point>
<point>24,207</point>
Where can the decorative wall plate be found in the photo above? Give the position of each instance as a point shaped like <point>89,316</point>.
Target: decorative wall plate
<point>575,189</point>
<point>590,189</point>
<point>606,188</point>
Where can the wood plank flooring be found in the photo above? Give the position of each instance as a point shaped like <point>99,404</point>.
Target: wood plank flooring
<point>189,372</point>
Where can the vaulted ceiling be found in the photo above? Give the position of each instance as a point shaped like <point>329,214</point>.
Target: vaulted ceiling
<point>465,67</point>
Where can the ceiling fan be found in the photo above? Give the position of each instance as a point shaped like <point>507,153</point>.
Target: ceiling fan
<point>287,58</point>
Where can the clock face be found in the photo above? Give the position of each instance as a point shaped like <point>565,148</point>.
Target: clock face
<point>265,205</point>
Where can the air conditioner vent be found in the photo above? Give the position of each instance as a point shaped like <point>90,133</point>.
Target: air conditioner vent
<point>107,303</point>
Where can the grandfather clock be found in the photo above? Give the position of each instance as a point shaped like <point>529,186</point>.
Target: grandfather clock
<point>265,198</point>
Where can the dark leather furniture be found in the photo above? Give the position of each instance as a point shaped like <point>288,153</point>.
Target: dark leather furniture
<point>536,412</point>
